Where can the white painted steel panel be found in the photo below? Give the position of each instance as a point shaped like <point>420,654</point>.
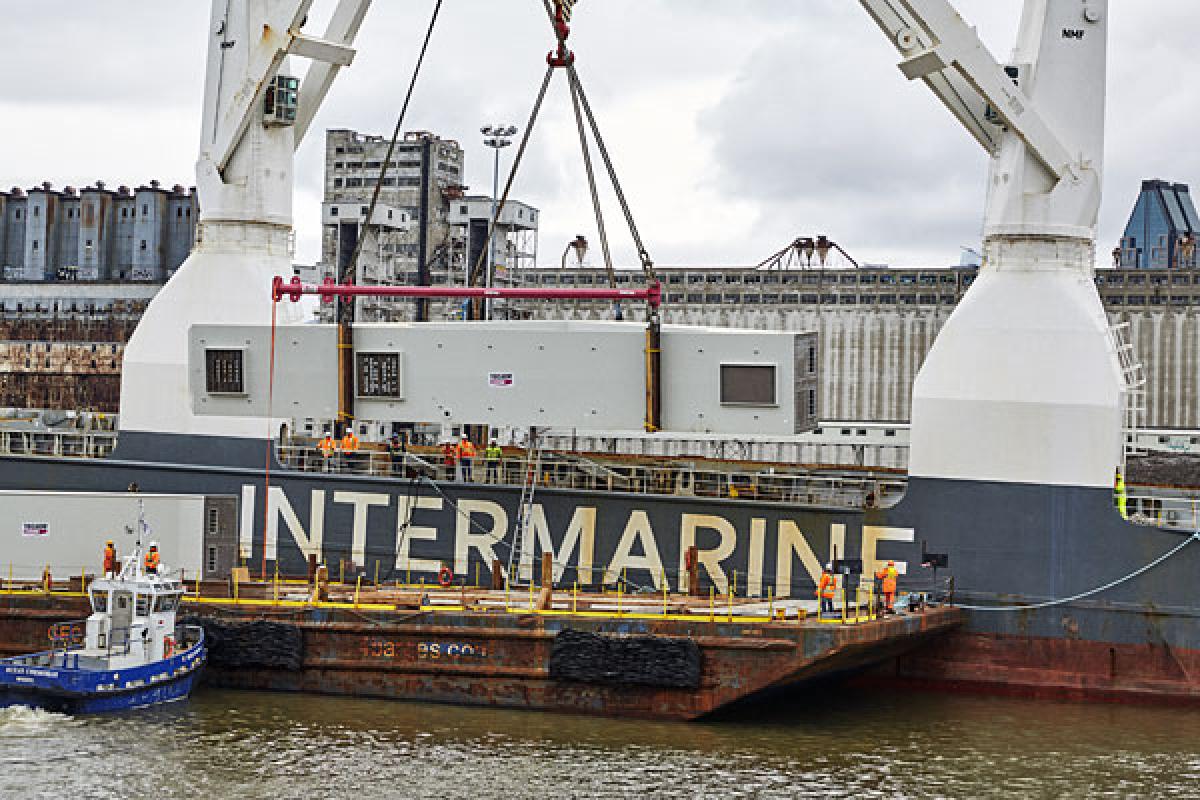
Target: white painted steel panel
<point>78,523</point>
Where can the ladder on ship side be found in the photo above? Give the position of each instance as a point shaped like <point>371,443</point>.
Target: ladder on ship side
<point>1134,375</point>
<point>521,530</point>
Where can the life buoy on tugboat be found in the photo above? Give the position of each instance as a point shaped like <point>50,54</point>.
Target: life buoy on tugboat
<point>168,646</point>
<point>445,577</point>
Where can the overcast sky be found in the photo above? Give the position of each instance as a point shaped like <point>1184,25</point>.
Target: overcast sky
<point>736,126</point>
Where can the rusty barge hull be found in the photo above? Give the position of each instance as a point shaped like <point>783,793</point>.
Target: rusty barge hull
<point>503,660</point>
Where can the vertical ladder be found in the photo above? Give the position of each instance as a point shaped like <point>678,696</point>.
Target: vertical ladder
<point>1134,375</point>
<point>533,465</point>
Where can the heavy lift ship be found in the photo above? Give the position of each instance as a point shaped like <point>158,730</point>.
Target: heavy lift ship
<point>1018,412</point>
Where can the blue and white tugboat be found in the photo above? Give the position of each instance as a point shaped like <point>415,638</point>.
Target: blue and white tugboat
<point>128,654</point>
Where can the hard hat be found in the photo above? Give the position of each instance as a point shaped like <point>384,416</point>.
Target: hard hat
<point>891,563</point>
<point>465,436</point>
<point>828,567</point>
<point>109,541</point>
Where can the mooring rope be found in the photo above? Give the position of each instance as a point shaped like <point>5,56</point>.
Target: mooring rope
<point>1090,592</point>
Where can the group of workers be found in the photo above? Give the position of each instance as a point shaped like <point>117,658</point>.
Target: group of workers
<point>458,456</point>
<point>112,564</point>
<point>330,448</point>
<point>888,578</point>
<point>458,459</point>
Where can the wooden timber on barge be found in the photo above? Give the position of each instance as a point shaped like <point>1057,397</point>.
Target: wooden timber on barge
<point>580,653</point>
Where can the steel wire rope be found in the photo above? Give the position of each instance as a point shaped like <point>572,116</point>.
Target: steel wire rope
<point>352,266</point>
<point>1111,584</point>
<point>270,437</point>
<point>573,86</point>
<point>353,263</point>
<point>643,254</point>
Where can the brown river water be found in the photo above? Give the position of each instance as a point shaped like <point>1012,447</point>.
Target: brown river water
<point>837,742</point>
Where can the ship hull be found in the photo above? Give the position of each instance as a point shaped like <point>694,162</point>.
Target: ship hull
<point>1009,545</point>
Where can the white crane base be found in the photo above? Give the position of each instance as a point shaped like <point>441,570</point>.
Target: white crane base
<point>1023,385</point>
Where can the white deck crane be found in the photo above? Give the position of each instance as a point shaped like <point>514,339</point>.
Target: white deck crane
<point>256,114</point>
<point>1023,384</point>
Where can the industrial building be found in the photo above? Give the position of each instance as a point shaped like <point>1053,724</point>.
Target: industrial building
<point>425,230</point>
<point>95,234</point>
<point>876,324</point>
<point>410,230</point>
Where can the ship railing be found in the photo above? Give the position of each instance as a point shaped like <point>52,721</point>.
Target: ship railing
<point>70,444</point>
<point>559,470</point>
<point>1161,510</point>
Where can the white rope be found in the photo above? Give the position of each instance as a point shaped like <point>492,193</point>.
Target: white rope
<point>1090,592</point>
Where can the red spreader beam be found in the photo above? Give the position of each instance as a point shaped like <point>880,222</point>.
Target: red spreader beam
<point>329,289</point>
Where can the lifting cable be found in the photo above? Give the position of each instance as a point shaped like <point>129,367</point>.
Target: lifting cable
<point>558,13</point>
<point>1111,584</point>
<point>346,314</point>
<point>352,266</point>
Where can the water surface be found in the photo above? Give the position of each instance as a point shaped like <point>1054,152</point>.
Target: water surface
<point>834,743</point>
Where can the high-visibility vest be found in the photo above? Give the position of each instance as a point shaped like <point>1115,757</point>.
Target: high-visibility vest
<point>349,443</point>
<point>466,449</point>
<point>110,559</point>
<point>493,453</point>
<point>327,446</point>
<point>828,586</point>
<point>152,560</point>
<point>1119,490</point>
<point>888,575</point>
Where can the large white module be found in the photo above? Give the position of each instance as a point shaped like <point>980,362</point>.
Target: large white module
<point>546,373</point>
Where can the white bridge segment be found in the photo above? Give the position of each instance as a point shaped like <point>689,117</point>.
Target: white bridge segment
<point>561,374</point>
<point>1023,383</point>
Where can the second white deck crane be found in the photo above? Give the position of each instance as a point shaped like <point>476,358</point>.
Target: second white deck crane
<point>1023,384</point>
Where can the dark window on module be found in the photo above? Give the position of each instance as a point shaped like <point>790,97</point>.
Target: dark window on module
<point>378,374</point>
<point>748,384</point>
<point>224,372</point>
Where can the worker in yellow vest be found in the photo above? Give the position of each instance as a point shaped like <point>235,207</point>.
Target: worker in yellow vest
<point>1120,496</point>
<point>889,576</point>
<point>492,455</point>
<point>827,589</point>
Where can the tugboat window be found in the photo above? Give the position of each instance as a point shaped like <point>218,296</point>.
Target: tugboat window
<point>142,606</point>
<point>100,602</point>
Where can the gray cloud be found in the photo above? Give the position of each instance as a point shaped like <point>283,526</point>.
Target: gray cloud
<point>736,125</point>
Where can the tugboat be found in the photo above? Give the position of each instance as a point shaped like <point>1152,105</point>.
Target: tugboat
<point>128,654</point>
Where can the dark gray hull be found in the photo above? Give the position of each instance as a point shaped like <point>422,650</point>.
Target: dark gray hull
<point>1008,545</point>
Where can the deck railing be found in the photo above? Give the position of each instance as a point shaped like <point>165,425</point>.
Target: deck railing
<point>75,444</point>
<point>573,471</point>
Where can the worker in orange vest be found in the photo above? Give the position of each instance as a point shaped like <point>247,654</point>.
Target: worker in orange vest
<point>349,446</point>
<point>827,589</point>
<point>449,458</point>
<point>888,575</point>
<point>466,456</point>
<point>110,559</point>
<point>152,559</point>
<point>328,447</point>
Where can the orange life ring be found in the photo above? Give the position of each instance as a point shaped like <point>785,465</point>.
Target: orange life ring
<point>445,576</point>
<point>168,646</point>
